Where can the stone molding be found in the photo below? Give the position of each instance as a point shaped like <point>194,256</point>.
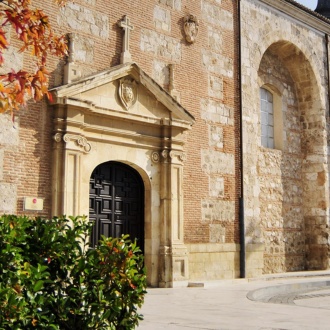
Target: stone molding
<point>167,155</point>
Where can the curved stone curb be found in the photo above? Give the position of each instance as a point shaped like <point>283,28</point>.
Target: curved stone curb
<point>287,293</point>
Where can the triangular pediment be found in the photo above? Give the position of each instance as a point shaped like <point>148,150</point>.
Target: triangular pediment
<point>104,93</point>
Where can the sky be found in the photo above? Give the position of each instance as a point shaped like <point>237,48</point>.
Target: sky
<point>311,4</point>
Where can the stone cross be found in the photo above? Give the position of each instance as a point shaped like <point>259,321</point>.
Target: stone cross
<point>127,27</point>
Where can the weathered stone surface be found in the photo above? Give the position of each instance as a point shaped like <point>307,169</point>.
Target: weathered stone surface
<point>216,87</point>
<point>216,136</point>
<point>9,131</point>
<point>160,45</point>
<point>8,198</point>
<point>217,63</point>
<point>292,192</point>
<point>217,187</point>
<point>214,39</point>
<point>217,233</point>
<point>293,142</point>
<point>293,167</point>
<point>217,112</point>
<point>13,60</point>
<point>83,19</point>
<point>213,260</point>
<point>294,217</point>
<point>90,2</point>
<point>1,163</point>
<point>271,189</point>
<point>174,4</point>
<point>217,16</point>
<point>270,163</point>
<point>217,162</point>
<point>275,264</point>
<point>218,210</point>
<point>162,18</point>
<point>285,185</point>
<point>83,49</point>
<point>161,73</point>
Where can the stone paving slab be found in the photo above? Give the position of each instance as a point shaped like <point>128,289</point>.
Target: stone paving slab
<point>319,299</point>
<point>225,306</point>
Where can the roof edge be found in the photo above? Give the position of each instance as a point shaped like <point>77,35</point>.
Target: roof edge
<point>304,14</point>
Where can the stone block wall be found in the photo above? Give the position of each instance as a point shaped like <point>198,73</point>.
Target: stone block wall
<point>286,56</point>
<point>213,261</point>
<point>218,111</point>
<point>280,176</point>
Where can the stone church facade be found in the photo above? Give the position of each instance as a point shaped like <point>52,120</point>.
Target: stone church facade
<point>199,127</point>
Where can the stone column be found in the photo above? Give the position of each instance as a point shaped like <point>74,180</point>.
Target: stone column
<point>173,252</point>
<point>68,151</point>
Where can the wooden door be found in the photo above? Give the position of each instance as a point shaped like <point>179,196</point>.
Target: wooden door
<point>116,202</point>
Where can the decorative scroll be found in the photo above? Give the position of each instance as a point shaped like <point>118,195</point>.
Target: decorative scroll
<point>79,140</point>
<point>181,156</point>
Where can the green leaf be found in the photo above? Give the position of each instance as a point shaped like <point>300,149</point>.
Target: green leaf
<point>38,286</point>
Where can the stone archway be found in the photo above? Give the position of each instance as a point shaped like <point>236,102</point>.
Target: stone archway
<point>293,181</point>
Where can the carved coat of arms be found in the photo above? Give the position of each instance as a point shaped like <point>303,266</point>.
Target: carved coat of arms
<point>191,26</point>
<point>127,92</point>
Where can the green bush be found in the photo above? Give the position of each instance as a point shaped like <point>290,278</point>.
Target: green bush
<point>50,279</point>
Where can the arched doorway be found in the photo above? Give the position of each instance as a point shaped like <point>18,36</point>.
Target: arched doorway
<point>116,202</point>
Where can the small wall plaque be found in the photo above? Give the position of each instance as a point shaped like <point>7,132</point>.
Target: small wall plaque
<point>33,204</point>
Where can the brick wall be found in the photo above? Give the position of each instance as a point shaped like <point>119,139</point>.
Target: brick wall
<point>204,79</point>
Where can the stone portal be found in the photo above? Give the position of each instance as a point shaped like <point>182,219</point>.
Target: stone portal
<point>92,127</point>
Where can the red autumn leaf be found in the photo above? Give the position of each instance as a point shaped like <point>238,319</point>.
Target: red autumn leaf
<point>33,30</point>
<point>49,96</point>
<point>4,89</point>
<point>3,40</point>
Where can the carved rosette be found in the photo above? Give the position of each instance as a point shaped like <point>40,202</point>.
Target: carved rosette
<point>127,92</point>
<point>155,157</point>
<point>57,137</point>
<point>79,140</point>
<point>191,27</point>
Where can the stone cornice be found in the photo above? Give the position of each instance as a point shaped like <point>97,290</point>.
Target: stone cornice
<point>305,16</point>
<point>89,107</point>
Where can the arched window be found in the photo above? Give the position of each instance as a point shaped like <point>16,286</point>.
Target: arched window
<point>267,118</point>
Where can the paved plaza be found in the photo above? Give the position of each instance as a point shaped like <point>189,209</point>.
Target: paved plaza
<point>289,301</point>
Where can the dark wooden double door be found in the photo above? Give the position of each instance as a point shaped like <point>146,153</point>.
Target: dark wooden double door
<point>116,202</point>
